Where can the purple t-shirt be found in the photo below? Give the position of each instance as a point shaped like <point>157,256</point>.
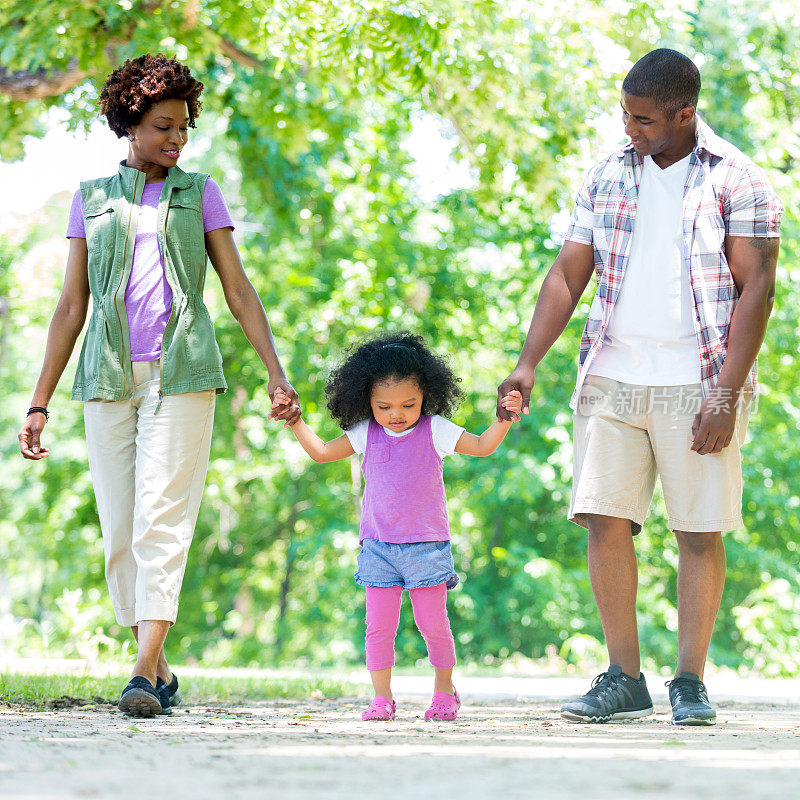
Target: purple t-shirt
<point>148,298</point>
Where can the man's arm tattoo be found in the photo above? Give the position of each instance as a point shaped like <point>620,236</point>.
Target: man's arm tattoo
<point>768,247</point>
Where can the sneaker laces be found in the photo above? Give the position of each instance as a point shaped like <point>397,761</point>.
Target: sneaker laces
<point>688,691</point>
<point>602,683</point>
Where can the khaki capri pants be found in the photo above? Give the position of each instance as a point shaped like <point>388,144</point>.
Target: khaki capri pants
<point>625,435</point>
<point>148,466</point>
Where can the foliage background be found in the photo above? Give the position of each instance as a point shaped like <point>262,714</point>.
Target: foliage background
<point>309,107</point>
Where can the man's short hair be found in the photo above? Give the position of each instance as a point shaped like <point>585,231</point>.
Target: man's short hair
<point>670,78</point>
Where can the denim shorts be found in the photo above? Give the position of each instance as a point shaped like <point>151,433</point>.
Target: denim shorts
<point>411,565</point>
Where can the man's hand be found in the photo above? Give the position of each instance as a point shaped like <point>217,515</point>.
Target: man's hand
<point>520,380</point>
<point>713,425</point>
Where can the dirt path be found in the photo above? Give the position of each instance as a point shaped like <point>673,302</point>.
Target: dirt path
<point>499,748</point>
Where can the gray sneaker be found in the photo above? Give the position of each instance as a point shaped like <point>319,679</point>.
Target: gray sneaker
<point>689,698</point>
<point>614,695</point>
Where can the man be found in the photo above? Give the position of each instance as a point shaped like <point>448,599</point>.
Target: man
<point>681,230</point>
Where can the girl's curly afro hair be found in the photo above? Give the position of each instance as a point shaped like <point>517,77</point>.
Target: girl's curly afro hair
<point>392,356</point>
<point>138,84</point>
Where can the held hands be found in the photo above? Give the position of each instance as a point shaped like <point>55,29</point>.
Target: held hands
<point>484,445</point>
<point>284,407</point>
<point>512,403</point>
<point>30,437</point>
<point>521,381</point>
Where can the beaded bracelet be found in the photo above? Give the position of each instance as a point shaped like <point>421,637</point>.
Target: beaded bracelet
<point>39,410</point>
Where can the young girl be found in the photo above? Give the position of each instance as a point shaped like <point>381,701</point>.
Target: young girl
<point>392,397</point>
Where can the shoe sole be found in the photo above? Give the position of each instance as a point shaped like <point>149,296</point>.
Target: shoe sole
<point>694,721</point>
<point>139,703</point>
<point>638,714</point>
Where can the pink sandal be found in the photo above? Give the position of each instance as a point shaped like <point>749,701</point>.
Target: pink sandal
<point>444,706</point>
<point>380,709</point>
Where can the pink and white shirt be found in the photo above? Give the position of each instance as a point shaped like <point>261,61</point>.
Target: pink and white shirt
<point>725,194</point>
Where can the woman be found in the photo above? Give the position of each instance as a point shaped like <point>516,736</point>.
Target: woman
<point>150,367</point>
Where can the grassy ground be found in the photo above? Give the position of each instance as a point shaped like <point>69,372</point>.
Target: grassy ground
<point>66,691</point>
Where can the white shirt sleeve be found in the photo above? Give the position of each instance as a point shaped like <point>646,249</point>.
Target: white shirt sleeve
<point>358,436</point>
<point>445,435</point>
<point>581,223</point>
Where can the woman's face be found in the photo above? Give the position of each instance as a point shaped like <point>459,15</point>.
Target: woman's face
<point>160,135</point>
<point>396,404</point>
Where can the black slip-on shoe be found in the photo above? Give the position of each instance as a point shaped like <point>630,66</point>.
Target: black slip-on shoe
<point>689,698</point>
<point>614,695</point>
<point>163,696</point>
<point>140,698</point>
<point>172,691</point>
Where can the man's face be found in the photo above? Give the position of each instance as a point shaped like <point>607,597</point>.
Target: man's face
<point>651,130</point>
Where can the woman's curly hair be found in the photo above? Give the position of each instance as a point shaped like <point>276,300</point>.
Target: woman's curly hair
<point>402,356</point>
<point>138,84</point>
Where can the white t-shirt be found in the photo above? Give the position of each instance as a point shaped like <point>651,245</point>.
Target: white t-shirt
<point>445,435</point>
<point>650,339</point>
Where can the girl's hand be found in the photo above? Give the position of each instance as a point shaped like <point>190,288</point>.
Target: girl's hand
<point>512,402</point>
<point>284,407</point>
<point>288,411</point>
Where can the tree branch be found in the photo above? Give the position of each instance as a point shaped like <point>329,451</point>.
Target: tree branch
<point>38,84</point>
<point>234,53</point>
<point>445,109</point>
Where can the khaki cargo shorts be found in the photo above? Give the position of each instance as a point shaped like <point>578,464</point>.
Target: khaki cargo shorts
<point>624,435</point>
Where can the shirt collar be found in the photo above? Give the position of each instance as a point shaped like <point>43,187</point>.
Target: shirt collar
<point>175,177</point>
<point>706,140</point>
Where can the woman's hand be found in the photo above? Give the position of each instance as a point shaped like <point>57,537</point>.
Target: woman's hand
<point>285,405</point>
<point>65,327</point>
<point>30,437</point>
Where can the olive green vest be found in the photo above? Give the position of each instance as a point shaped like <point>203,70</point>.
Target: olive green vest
<point>190,358</point>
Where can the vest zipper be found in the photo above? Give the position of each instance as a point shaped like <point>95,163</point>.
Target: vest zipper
<point>162,246</point>
<point>124,252</point>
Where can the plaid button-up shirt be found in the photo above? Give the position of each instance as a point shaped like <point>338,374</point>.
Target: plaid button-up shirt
<point>725,194</point>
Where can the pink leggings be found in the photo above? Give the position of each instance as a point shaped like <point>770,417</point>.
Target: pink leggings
<point>430,614</point>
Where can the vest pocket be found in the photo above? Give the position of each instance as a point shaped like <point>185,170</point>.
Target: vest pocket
<point>185,239</point>
<point>199,342</point>
<point>185,219</point>
<point>88,369</point>
<point>101,231</point>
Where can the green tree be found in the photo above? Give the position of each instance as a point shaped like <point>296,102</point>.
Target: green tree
<point>308,108</point>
